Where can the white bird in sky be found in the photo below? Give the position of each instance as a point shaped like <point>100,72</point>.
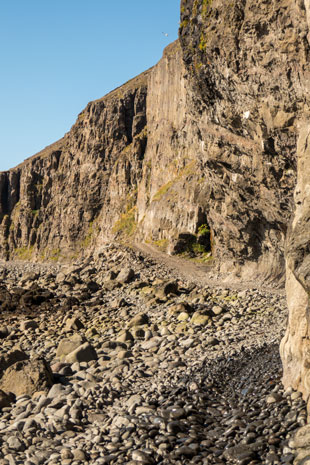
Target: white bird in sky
<point>165,34</point>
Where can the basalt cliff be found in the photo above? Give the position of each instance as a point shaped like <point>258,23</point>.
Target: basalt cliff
<point>215,136</point>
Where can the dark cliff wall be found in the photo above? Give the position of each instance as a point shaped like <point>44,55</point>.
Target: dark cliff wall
<point>206,136</point>
<point>248,64</point>
<point>216,133</point>
<point>54,204</point>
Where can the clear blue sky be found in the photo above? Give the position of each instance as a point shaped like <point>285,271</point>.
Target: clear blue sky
<point>57,55</point>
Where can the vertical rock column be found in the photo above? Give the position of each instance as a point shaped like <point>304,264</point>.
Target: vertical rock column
<point>295,346</point>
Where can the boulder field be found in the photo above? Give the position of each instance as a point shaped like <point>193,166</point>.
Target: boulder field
<point>122,360</point>
<point>208,153</point>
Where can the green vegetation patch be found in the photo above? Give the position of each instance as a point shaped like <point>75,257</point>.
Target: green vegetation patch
<point>198,246</point>
<point>24,253</point>
<point>203,230</point>
<point>161,243</point>
<point>126,224</point>
<point>198,66</point>
<point>203,43</point>
<point>55,255</point>
<point>184,23</point>
<point>198,257</point>
<point>206,5</point>
<point>195,8</point>
<point>163,190</point>
<point>88,237</point>
<point>131,199</point>
<point>186,171</point>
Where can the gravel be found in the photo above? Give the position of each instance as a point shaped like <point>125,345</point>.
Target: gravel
<point>153,387</point>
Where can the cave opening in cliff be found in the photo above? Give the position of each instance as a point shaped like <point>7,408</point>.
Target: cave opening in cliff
<point>203,234</point>
<point>196,244</point>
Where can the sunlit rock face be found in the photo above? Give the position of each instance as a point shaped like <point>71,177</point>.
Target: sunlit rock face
<point>56,204</point>
<point>208,136</point>
<point>295,346</point>
<point>215,135</point>
<point>248,66</point>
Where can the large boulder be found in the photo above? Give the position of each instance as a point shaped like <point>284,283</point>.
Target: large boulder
<point>83,353</point>
<point>27,377</point>
<point>68,345</point>
<point>5,399</point>
<point>10,358</point>
<point>28,324</point>
<point>4,332</point>
<point>126,275</point>
<point>301,443</point>
<point>138,320</point>
<point>73,324</point>
<point>295,346</point>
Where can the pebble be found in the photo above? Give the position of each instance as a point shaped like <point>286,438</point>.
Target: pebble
<point>182,373</point>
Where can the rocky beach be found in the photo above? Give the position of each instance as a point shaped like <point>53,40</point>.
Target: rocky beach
<point>155,261</point>
<point>118,359</point>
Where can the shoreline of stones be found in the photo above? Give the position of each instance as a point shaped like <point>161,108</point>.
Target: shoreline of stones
<point>146,368</point>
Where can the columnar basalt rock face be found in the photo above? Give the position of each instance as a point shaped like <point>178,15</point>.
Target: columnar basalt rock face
<point>174,193</point>
<point>247,62</point>
<point>208,135</point>
<point>54,204</point>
